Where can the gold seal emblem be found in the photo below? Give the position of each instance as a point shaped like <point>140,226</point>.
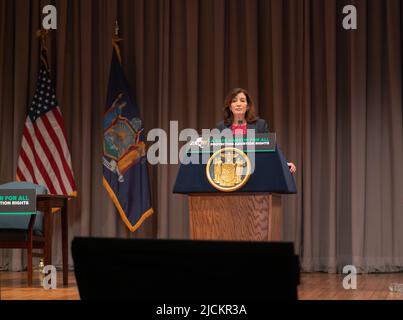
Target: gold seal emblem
<point>228,169</point>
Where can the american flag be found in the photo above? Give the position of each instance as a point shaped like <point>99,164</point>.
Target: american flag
<point>44,155</point>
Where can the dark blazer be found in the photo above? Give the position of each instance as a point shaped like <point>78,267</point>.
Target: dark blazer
<point>260,126</point>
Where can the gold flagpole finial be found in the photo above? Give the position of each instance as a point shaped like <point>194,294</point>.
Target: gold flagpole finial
<point>116,37</point>
<point>42,34</point>
<point>116,28</point>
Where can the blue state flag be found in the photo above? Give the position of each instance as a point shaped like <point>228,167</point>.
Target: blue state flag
<point>125,174</point>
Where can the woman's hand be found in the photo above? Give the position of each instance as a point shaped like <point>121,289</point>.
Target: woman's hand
<point>292,167</point>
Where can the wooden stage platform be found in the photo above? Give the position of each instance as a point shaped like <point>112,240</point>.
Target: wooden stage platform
<point>314,286</point>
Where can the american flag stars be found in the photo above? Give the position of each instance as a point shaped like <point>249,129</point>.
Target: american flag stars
<point>42,102</point>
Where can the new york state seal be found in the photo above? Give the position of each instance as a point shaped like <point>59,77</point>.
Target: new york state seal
<point>228,169</point>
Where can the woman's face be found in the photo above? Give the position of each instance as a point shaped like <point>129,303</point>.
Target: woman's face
<point>239,105</point>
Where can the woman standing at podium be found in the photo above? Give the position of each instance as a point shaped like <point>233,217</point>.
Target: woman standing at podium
<point>240,116</point>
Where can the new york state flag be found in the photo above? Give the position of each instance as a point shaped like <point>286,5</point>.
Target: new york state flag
<point>125,174</point>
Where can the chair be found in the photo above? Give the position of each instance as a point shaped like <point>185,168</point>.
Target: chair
<point>23,231</point>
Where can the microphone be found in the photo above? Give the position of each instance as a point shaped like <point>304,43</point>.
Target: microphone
<point>240,122</point>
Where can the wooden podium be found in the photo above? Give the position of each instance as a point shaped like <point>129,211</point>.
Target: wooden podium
<point>252,213</point>
<point>256,217</point>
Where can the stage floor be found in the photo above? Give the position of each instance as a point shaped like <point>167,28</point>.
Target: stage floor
<point>314,286</point>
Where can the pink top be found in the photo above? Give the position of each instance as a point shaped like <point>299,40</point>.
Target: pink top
<point>239,129</point>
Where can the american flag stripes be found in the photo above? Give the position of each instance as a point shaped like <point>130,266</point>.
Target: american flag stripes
<point>44,155</point>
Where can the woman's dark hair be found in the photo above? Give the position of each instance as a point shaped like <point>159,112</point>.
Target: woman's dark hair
<point>250,114</point>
